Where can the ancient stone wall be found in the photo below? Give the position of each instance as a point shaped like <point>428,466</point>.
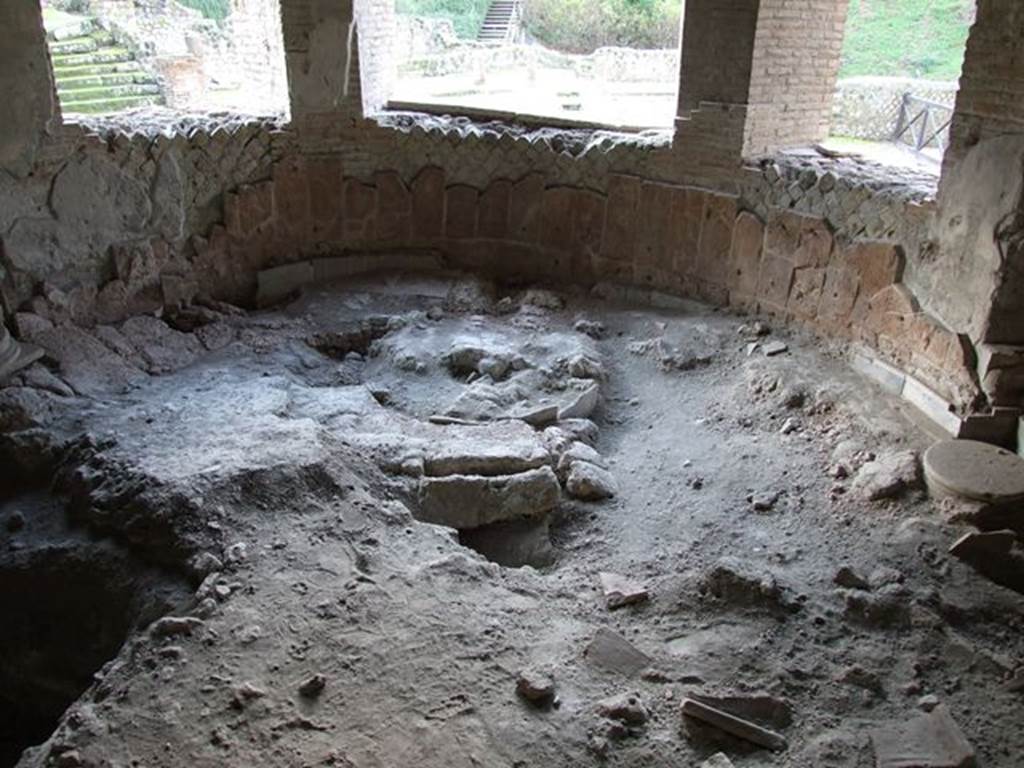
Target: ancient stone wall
<point>200,206</point>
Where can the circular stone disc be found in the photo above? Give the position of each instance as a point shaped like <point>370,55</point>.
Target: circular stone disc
<point>974,470</point>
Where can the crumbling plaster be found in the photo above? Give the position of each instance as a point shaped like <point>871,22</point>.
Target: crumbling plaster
<point>107,217</point>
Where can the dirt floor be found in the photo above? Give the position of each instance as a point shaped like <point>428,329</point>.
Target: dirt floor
<point>260,481</point>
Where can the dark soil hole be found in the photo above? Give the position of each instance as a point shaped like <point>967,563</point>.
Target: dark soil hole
<point>512,543</point>
<point>68,601</point>
<point>352,336</point>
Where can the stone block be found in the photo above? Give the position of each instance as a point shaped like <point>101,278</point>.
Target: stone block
<point>932,405</point>
<point>359,205</point>
<point>588,211</point>
<point>687,218</point>
<point>393,216</point>
<point>805,293</point>
<point>838,297</point>
<point>469,501</point>
<point>804,240</point>
<point>713,253</point>
<point>278,283</point>
<point>655,234</point>
<point>890,312</point>
<point>556,218</point>
<point>886,376</point>
<point>524,208</point>
<point>492,215</point>
<point>877,264</point>
<point>428,203</point>
<point>325,196</point>
<point>460,211</point>
<point>774,282</point>
<point>291,199</point>
<point>745,255</point>
<point>255,208</point>
<point>620,230</point>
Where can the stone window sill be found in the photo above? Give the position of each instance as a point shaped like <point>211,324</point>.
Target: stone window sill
<point>496,123</point>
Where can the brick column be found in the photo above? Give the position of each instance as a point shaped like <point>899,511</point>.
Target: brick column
<point>990,101</point>
<point>796,60</point>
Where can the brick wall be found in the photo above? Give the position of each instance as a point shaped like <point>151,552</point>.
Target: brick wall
<point>991,97</point>
<point>678,214</point>
<point>718,41</point>
<point>793,73</point>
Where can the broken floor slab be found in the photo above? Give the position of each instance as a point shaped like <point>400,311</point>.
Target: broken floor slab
<point>932,740</point>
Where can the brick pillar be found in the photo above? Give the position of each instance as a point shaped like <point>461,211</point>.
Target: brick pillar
<point>795,64</point>
<point>718,44</point>
<point>990,101</point>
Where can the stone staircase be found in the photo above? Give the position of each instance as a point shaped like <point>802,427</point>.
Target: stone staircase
<point>93,74</point>
<point>499,22</point>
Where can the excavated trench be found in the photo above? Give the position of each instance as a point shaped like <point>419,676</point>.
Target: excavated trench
<point>69,601</point>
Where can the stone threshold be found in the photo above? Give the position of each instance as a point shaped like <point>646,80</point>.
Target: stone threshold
<point>1000,427</point>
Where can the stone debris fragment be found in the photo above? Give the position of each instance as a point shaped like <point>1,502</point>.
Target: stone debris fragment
<point>313,686</point>
<point>611,651</point>
<point>886,608</point>
<point>592,328</point>
<point>628,713</point>
<point>975,546</point>
<point>535,685</point>
<point>733,582</point>
<point>170,626</point>
<point>888,476</point>
<point>14,355</point>
<point>542,298</point>
<point>737,726</point>
<point>581,403</point>
<point>590,482</point>
<point>931,740</point>
<point>847,578</point>
<point>620,591</point>
<point>773,348</point>
<point>246,693</point>
<point>718,760</point>
<point>578,451</point>
<point>539,416</point>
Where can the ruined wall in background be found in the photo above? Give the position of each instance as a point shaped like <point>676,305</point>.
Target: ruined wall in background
<point>201,208</point>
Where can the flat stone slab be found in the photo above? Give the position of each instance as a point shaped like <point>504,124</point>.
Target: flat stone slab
<point>974,470</point>
<point>930,741</point>
<point>501,448</point>
<point>469,501</point>
<point>611,651</point>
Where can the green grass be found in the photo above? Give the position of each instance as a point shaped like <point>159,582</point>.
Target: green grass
<point>211,9</point>
<point>466,15</point>
<point>909,38</point>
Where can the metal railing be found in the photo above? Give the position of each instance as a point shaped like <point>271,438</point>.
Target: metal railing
<point>922,123</point>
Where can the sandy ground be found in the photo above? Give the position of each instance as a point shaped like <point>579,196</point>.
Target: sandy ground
<point>259,476</point>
